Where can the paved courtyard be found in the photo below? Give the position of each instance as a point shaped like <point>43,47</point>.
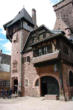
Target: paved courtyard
<point>31,103</point>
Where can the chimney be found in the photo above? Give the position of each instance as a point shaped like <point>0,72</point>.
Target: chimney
<point>34,16</point>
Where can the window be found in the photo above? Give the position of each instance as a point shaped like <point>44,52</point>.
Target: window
<point>4,83</point>
<point>37,82</point>
<point>40,52</point>
<point>36,53</point>
<point>28,58</point>
<point>43,50</point>
<point>35,39</point>
<point>49,48</point>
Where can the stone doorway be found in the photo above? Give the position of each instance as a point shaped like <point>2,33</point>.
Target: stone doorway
<point>15,85</point>
<point>49,86</point>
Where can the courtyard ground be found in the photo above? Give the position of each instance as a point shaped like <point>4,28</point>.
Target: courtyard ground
<point>32,103</point>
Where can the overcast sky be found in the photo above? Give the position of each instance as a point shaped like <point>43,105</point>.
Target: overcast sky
<point>10,8</point>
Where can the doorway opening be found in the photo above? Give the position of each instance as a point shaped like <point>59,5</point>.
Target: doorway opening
<point>71,79</point>
<point>49,86</point>
<point>15,85</point>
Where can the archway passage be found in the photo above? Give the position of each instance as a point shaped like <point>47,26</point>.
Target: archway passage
<point>49,86</point>
<point>15,85</point>
<point>71,79</point>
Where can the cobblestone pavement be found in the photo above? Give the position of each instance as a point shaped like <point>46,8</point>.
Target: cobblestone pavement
<point>31,103</point>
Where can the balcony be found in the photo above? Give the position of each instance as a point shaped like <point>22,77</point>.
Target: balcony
<point>46,57</point>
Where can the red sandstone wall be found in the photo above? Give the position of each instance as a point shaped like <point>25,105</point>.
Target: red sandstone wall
<point>16,49</point>
<point>31,73</point>
<point>66,70</point>
<point>64,13</point>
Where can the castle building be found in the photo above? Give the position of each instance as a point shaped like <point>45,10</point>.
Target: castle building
<point>5,61</point>
<point>64,13</point>
<point>42,60</point>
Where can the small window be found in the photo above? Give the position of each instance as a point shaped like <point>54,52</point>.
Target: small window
<point>28,58</point>
<point>49,48</point>
<point>40,52</point>
<point>37,82</point>
<point>35,39</point>
<point>45,50</point>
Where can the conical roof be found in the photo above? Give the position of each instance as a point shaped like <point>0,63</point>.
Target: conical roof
<point>22,14</point>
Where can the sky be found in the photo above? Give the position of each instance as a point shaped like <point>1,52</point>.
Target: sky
<point>10,8</point>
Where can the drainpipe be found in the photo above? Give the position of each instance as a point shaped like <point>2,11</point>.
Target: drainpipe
<point>21,74</point>
<point>61,79</point>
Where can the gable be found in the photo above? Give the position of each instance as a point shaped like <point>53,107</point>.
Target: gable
<point>35,36</point>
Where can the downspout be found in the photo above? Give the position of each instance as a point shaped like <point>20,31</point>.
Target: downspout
<point>61,78</point>
<point>21,73</point>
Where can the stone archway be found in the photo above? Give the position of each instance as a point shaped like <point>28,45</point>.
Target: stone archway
<point>49,86</point>
<point>15,85</point>
<point>70,79</point>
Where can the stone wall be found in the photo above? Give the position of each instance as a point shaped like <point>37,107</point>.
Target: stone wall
<point>64,13</point>
<point>18,41</point>
<point>32,73</point>
<point>67,88</point>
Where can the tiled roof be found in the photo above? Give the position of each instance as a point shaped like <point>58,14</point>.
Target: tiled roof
<point>22,14</point>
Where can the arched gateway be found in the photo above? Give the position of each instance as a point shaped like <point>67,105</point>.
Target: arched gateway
<point>15,85</point>
<point>49,86</point>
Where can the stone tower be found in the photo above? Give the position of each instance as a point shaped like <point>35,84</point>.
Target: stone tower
<point>17,31</point>
<point>64,13</point>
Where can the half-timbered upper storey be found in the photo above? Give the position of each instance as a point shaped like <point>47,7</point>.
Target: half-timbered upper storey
<point>48,45</point>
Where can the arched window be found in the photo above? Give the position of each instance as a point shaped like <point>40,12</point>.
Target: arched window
<point>37,82</point>
<point>71,79</point>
